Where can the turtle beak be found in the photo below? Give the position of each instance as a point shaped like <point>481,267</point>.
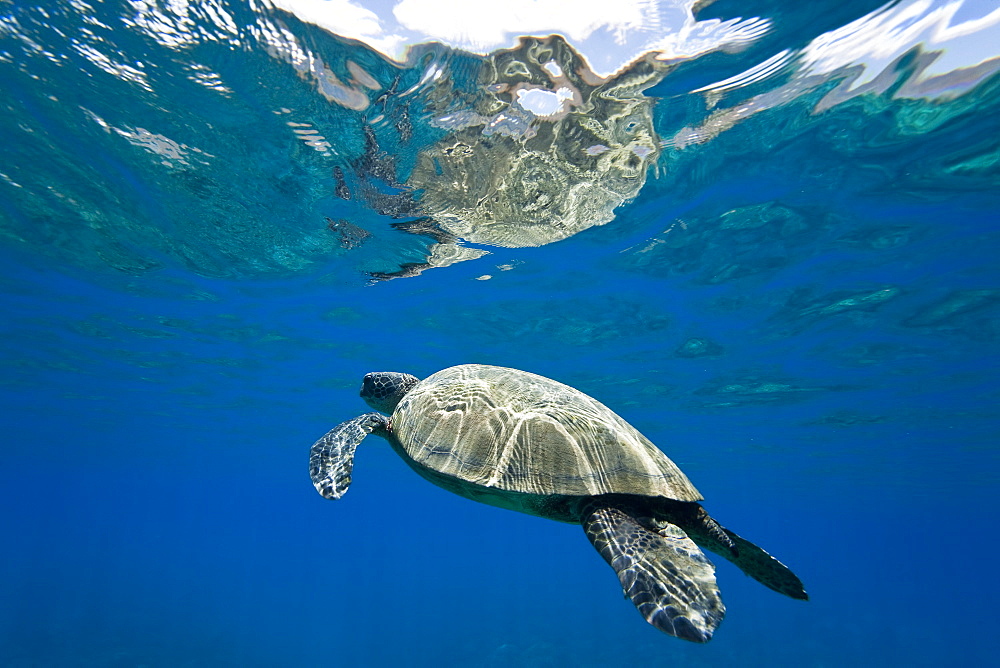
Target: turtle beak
<point>378,392</point>
<point>368,387</point>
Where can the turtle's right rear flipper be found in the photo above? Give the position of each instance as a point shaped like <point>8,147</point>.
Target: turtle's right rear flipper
<point>331,458</point>
<point>668,578</point>
<point>750,559</point>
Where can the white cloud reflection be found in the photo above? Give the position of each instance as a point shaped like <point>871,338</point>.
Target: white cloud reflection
<point>609,34</point>
<point>351,20</point>
<point>959,47</point>
<point>879,38</point>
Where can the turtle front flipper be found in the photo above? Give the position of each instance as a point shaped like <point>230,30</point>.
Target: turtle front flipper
<point>668,578</point>
<point>331,458</point>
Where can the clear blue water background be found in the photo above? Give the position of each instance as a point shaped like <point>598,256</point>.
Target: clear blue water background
<point>177,335</point>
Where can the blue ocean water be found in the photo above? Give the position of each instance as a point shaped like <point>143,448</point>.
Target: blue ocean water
<point>797,298</point>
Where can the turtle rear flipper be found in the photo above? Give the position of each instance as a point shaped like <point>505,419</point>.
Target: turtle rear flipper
<point>765,569</point>
<point>750,559</point>
<point>668,578</point>
<point>331,458</point>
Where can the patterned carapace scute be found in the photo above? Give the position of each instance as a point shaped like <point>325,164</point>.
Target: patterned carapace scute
<point>520,432</point>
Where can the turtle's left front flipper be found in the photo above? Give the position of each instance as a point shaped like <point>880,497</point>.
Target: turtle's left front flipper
<point>667,577</point>
<point>331,458</point>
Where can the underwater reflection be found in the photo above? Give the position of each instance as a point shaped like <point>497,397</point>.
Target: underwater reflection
<point>540,149</point>
<point>330,134</point>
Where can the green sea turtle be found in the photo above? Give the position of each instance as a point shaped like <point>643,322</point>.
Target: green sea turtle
<point>517,440</point>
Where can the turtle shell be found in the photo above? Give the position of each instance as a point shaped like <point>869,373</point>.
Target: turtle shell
<point>520,432</point>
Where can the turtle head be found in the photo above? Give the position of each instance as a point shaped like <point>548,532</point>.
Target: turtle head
<point>382,390</point>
